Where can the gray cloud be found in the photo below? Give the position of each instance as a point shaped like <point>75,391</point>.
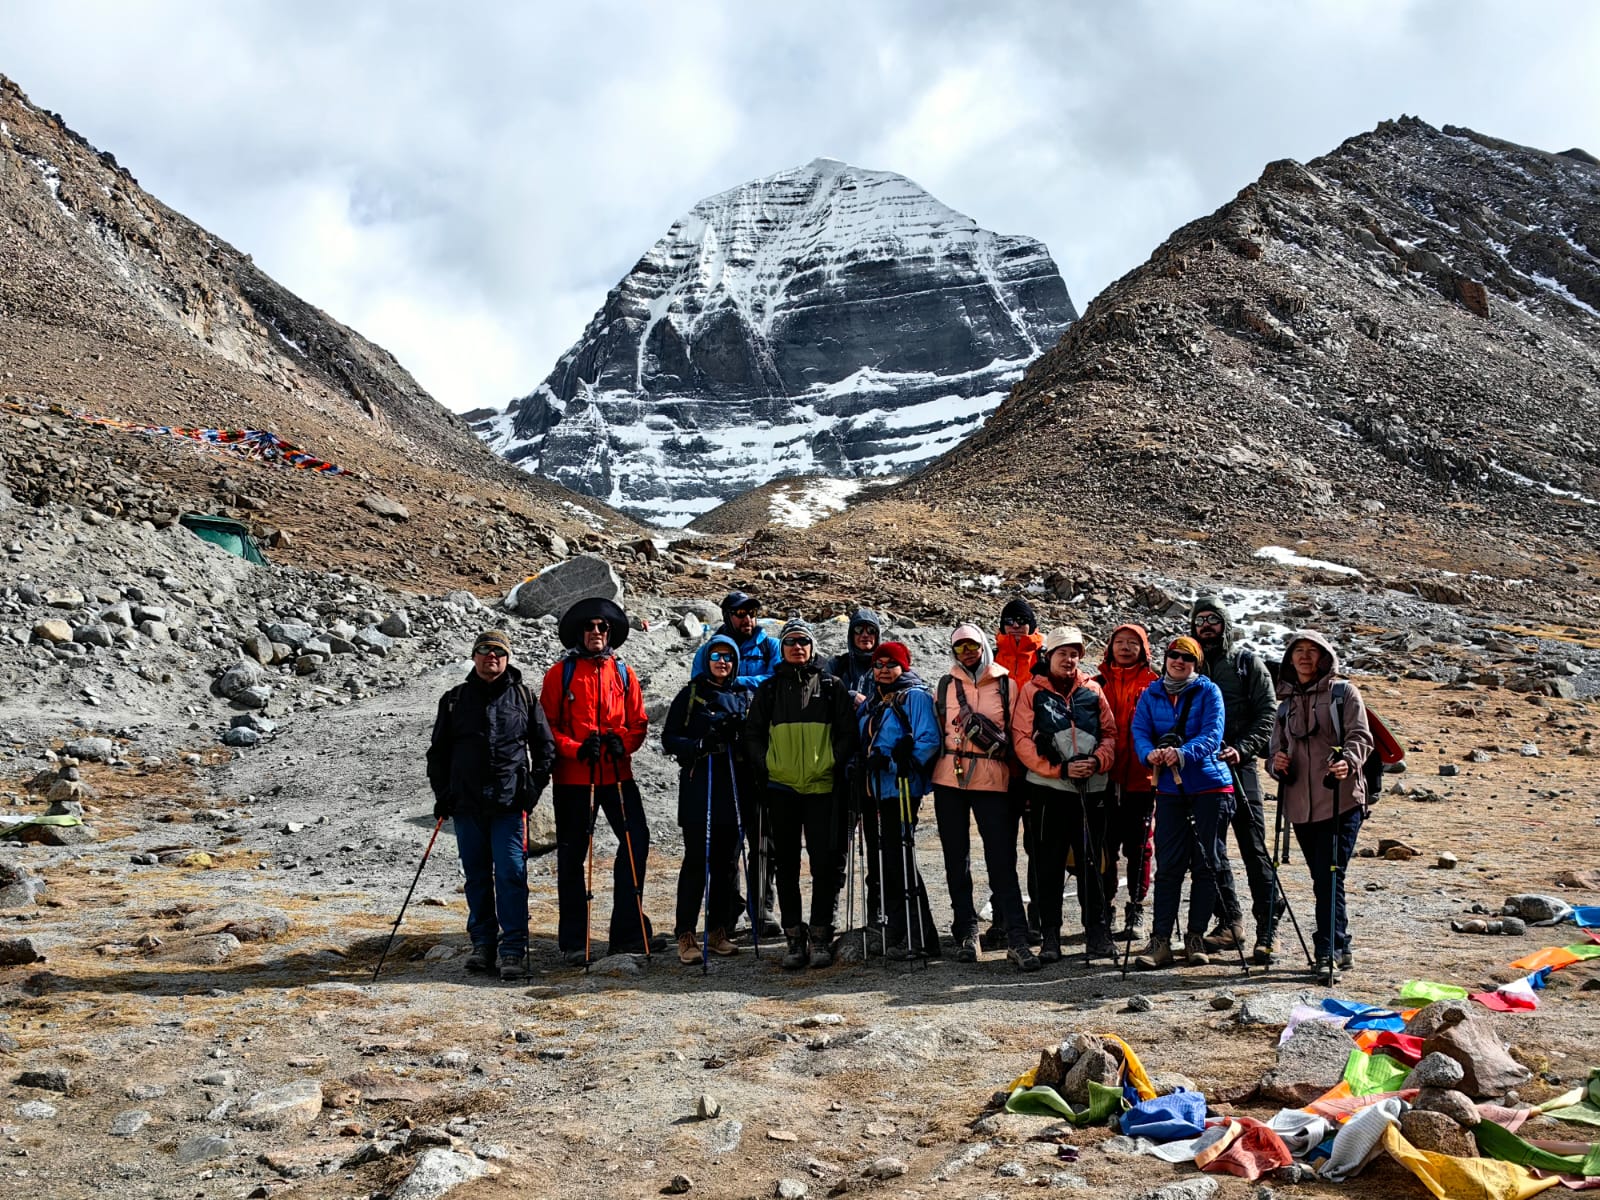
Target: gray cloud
<point>464,184</point>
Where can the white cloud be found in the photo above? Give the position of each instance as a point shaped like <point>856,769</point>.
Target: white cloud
<point>464,184</point>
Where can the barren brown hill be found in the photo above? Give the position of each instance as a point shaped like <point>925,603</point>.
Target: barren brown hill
<point>113,304</point>
<point>1389,357</point>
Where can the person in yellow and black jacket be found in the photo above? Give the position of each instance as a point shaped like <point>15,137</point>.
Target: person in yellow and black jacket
<point>798,736</point>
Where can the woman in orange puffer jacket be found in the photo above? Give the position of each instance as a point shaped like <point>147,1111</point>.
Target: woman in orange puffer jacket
<point>1125,672</point>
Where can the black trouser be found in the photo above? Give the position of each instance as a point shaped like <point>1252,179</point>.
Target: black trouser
<point>1018,792</point>
<point>1189,832</point>
<point>692,877</point>
<point>899,833</point>
<point>1250,831</point>
<point>757,882</point>
<point>624,812</point>
<point>1133,830</point>
<point>997,815</point>
<point>1317,840</point>
<point>1066,823</point>
<point>819,819</point>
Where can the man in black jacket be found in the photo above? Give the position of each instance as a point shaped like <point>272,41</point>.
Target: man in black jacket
<point>1249,704</point>
<point>488,762</point>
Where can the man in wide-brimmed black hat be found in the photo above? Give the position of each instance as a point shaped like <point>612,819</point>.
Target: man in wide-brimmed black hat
<point>596,711</point>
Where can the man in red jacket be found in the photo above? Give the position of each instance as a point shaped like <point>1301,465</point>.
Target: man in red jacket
<point>596,710</point>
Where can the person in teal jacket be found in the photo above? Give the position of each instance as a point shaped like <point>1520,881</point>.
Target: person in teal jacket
<point>900,740</point>
<point>1177,731</point>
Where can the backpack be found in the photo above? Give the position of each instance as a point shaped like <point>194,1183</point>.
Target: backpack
<point>978,729</point>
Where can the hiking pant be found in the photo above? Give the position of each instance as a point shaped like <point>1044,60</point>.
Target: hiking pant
<point>818,818</point>
<point>692,878</point>
<point>1189,833</point>
<point>1250,832</point>
<point>997,816</point>
<point>1132,830</point>
<point>1316,840</point>
<point>496,870</point>
<point>758,879</point>
<point>1019,792</point>
<point>624,812</point>
<point>1065,824</point>
<point>899,841</point>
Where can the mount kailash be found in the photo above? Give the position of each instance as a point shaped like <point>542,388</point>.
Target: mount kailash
<point>826,320</point>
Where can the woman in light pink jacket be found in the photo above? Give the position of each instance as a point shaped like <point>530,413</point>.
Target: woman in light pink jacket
<point>972,781</point>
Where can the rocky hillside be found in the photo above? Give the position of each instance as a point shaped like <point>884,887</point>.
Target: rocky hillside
<point>111,304</point>
<point>824,320</point>
<point>1387,357</point>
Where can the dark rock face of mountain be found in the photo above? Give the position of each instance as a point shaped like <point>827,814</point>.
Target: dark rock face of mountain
<point>824,320</point>
<point>1393,350</point>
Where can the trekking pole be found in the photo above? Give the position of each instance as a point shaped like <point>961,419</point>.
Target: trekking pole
<point>1094,850</point>
<point>883,897</point>
<point>1277,883</point>
<point>752,903</point>
<point>858,847</point>
<point>633,863</point>
<point>396,929</point>
<point>705,937</point>
<point>1333,866</point>
<point>588,886</point>
<point>909,834</point>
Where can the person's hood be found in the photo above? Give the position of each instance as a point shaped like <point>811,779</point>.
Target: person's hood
<point>1207,602</point>
<point>725,642</point>
<point>1018,607</point>
<point>1288,680</point>
<point>1144,643</point>
<point>862,616</point>
<point>971,632</point>
<point>570,627</point>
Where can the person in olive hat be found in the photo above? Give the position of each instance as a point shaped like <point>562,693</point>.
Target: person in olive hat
<point>488,761</point>
<point>596,709</point>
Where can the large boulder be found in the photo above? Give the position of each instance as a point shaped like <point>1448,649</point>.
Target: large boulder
<point>293,1104</point>
<point>18,888</point>
<point>561,585</point>
<point>1309,1063</point>
<point>1437,1132</point>
<point>1487,1069</point>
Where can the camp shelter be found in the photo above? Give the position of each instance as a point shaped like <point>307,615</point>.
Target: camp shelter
<point>232,536</point>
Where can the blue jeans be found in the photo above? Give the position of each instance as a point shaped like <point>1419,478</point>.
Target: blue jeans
<point>490,846</point>
<point>1316,840</point>
<point>1189,833</point>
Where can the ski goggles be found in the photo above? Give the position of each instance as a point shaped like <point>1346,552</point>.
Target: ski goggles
<point>964,645</point>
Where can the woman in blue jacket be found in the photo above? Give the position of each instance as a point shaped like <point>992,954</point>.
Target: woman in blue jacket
<point>703,732</point>
<point>1177,731</point>
<point>899,742</point>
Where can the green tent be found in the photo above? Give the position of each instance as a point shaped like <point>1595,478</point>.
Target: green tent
<point>232,536</point>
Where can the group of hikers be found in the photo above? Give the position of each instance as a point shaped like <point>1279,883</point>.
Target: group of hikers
<point>1143,761</point>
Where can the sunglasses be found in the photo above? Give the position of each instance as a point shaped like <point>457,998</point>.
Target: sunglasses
<point>1182,657</point>
<point>963,647</point>
<point>602,626</point>
<point>1014,623</point>
<point>745,612</point>
<point>489,652</point>
<point>720,656</point>
<point>796,641</point>
<point>1207,619</point>
<point>882,663</point>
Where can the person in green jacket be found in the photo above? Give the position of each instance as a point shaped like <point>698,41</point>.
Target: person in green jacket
<point>799,736</point>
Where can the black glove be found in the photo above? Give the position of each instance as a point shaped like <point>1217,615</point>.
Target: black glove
<point>1049,751</point>
<point>877,760</point>
<point>615,750</point>
<point>589,750</point>
<point>529,791</point>
<point>905,756</point>
<point>442,808</point>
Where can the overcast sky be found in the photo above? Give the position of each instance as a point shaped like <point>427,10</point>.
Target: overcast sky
<point>464,182</point>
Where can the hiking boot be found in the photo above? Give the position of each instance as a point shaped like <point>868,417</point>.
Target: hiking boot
<point>688,949</point>
<point>1194,950</point>
<point>1098,943</point>
<point>481,960</point>
<point>899,951</point>
<point>1050,948</point>
<point>1347,959</point>
<point>1225,937</point>
<point>967,951</point>
<point>821,954</point>
<point>722,944</point>
<point>513,966</point>
<point>1023,958</point>
<point>1325,972</point>
<point>1264,952</point>
<point>797,954</point>
<point>1132,918</point>
<point>1156,956</point>
<point>574,958</point>
<point>994,937</point>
